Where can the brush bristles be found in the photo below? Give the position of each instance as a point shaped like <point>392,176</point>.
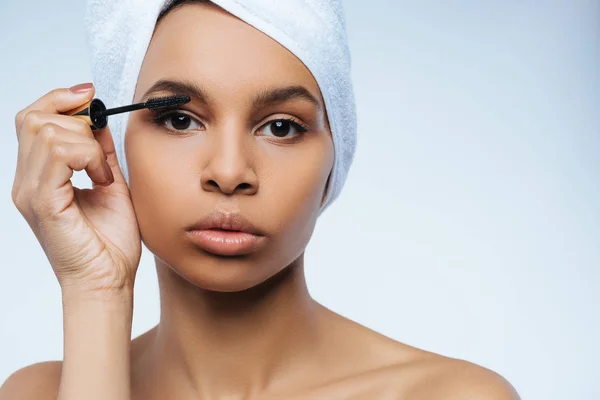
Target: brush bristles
<point>171,101</point>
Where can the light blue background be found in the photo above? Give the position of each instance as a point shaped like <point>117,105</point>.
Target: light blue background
<point>470,222</point>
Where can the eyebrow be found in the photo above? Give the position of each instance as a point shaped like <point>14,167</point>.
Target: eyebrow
<point>279,95</point>
<point>177,87</point>
<point>262,99</point>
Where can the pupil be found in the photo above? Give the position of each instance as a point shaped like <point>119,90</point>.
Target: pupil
<point>280,128</point>
<point>180,121</point>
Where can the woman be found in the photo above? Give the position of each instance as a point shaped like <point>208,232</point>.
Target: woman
<point>225,191</point>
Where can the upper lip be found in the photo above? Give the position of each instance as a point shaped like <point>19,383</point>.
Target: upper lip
<point>230,221</point>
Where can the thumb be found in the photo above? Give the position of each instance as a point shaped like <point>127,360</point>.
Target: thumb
<point>105,138</point>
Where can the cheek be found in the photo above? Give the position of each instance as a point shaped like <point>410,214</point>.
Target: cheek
<point>151,156</point>
<point>153,174</point>
<point>297,179</point>
<point>293,189</point>
<point>156,162</point>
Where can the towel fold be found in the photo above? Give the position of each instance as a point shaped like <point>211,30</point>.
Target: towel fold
<point>119,32</point>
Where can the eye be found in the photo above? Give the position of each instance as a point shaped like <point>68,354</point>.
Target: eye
<point>176,121</point>
<point>282,128</point>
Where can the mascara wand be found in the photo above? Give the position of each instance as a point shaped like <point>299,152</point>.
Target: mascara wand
<point>95,113</point>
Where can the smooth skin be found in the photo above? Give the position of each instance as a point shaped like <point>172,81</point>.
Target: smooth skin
<point>230,327</point>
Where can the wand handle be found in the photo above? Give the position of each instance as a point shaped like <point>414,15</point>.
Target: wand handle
<point>92,113</point>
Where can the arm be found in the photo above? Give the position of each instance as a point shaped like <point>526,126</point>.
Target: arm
<point>92,240</point>
<point>97,337</point>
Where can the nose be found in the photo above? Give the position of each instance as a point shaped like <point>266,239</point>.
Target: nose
<point>228,170</point>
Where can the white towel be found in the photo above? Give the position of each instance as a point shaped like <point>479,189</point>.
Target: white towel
<point>119,32</point>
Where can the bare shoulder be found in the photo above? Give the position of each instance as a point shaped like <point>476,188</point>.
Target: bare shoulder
<point>394,370</point>
<point>38,381</point>
<point>438,377</point>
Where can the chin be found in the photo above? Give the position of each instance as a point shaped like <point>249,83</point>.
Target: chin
<point>225,273</point>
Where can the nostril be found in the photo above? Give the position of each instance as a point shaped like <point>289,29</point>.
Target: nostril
<point>211,184</point>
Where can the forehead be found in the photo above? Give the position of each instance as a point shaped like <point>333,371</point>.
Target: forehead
<point>205,44</point>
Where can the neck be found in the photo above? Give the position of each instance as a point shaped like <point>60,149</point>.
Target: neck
<point>220,344</point>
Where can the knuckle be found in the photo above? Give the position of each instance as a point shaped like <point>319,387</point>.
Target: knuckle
<point>29,118</point>
<point>20,200</point>
<point>19,117</point>
<point>14,195</point>
<point>58,151</point>
<point>53,93</point>
<point>48,132</point>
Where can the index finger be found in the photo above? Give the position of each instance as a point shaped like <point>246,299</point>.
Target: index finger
<point>58,101</point>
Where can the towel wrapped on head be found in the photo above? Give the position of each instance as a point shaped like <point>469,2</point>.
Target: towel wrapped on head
<point>119,33</point>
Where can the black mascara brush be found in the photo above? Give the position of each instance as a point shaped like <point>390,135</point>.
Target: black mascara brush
<point>95,114</point>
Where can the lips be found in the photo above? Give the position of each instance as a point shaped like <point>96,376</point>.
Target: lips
<point>226,234</point>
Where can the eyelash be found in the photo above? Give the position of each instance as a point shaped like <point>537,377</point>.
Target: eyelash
<point>161,117</point>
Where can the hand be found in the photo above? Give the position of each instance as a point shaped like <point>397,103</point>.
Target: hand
<point>90,236</point>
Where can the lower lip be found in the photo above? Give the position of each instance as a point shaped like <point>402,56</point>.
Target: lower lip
<point>226,243</point>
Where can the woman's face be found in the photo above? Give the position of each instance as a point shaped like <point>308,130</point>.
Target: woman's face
<point>255,143</point>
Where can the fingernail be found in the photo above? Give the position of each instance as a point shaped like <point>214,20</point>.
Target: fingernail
<point>82,87</point>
